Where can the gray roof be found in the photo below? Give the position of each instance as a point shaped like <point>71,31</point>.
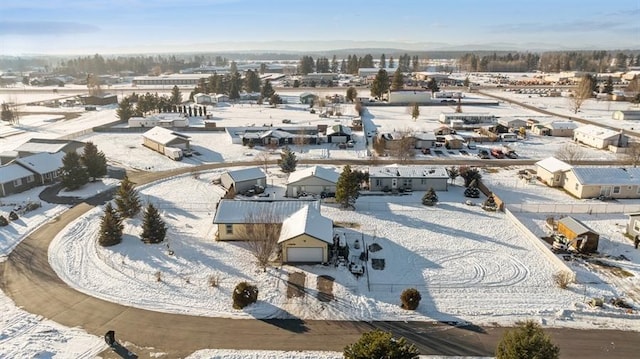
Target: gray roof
<point>42,163</point>
<point>409,172</point>
<point>326,174</point>
<point>607,176</point>
<point>12,172</point>
<point>246,174</point>
<point>236,211</point>
<point>307,220</point>
<point>576,226</point>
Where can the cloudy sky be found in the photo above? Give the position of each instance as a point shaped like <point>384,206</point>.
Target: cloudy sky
<point>126,26</point>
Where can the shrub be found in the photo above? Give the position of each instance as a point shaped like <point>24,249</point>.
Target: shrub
<point>410,299</point>
<point>472,192</point>
<point>379,344</point>
<point>13,216</point>
<point>214,281</point>
<point>430,198</point>
<point>32,206</point>
<point>244,294</point>
<point>563,279</point>
<point>526,341</point>
<point>3,221</point>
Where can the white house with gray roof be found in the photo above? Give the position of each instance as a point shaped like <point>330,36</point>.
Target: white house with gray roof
<point>609,182</point>
<point>314,180</point>
<point>599,137</point>
<point>416,178</point>
<point>46,166</point>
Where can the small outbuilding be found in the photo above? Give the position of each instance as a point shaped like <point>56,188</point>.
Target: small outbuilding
<point>633,227</point>
<point>338,134</point>
<point>551,171</point>
<point>202,99</point>
<point>244,179</point>
<point>307,98</point>
<point>305,237</point>
<point>158,138</point>
<point>314,180</point>
<point>628,115</point>
<point>581,237</point>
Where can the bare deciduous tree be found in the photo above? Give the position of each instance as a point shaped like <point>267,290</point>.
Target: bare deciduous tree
<point>261,231</point>
<point>633,153</point>
<point>581,93</point>
<point>263,157</point>
<point>405,148</point>
<point>570,153</point>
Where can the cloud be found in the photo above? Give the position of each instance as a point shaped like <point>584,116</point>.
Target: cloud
<point>570,26</point>
<point>33,28</point>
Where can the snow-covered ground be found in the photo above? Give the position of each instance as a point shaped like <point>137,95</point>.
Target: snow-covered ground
<point>469,264</point>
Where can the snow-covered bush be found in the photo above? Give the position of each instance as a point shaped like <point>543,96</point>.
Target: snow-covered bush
<point>13,216</point>
<point>3,221</point>
<point>244,294</point>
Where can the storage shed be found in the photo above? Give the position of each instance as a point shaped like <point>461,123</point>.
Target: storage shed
<point>581,237</point>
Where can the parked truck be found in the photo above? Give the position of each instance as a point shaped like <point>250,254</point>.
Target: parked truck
<point>173,153</point>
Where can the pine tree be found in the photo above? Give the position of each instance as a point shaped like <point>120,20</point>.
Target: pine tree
<point>94,160</point>
<point>153,227</point>
<point>527,341</point>
<point>127,199</point>
<point>74,175</point>
<point>383,61</point>
<point>267,90</point>
<point>430,198</point>
<point>432,85</point>
<point>608,86</point>
<point>288,161</point>
<point>110,227</point>
<point>415,111</point>
<point>275,99</point>
<point>251,81</point>
<point>176,96</point>
<point>398,80</point>
<point>347,188</point>
<point>380,84</point>
<point>379,344</point>
<point>125,109</point>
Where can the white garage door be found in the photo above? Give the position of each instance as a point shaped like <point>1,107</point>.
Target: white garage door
<point>304,255</point>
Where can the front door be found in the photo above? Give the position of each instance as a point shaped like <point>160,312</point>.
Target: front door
<point>394,183</point>
<point>605,191</point>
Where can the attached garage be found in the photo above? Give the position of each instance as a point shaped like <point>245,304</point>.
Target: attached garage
<point>305,255</point>
<point>305,237</point>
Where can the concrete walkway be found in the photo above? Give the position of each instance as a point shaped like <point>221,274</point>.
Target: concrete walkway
<point>28,279</point>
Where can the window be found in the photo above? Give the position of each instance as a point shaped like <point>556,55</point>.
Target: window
<point>30,179</point>
<point>423,181</point>
<point>577,186</point>
<point>229,228</point>
<point>636,226</point>
<point>47,175</point>
<point>379,183</point>
<point>406,183</point>
<point>616,189</point>
<point>17,182</point>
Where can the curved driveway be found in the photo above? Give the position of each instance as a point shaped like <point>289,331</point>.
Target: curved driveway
<point>29,280</point>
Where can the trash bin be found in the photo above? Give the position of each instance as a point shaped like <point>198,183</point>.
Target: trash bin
<point>110,337</point>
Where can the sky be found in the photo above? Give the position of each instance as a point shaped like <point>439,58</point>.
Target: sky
<point>134,26</point>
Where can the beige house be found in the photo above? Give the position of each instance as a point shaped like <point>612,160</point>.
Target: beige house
<point>551,171</point>
<point>560,128</point>
<point>232,215</point>
<point>453,142</point>
<point>305,237</point>
<point>315,180</point>
<point>599,137</point>
<point>608,182</point>
<point>158,138</point>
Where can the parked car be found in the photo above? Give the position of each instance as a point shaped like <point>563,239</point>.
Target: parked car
<point>512,154</point>
<point>484,154</point>
<point>497,153</point>
<point>471,145</point>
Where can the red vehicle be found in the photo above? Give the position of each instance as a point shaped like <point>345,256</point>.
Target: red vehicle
<point>497,153</point>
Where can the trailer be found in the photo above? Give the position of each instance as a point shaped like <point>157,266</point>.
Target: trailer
<point>173,153</point>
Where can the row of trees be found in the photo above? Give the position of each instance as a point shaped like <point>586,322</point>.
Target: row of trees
<point>353,63</point>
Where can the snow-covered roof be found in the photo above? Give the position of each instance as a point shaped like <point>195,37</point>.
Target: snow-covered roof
<point>315,171</point>
<point>236,211</point>
<point>42,163</point>
<point>338,129</point>
<point>596,131</point>
<point>36,146</point>
<point>307,220</point>
<point>246,174</point>
<point>607,176</point>
<point>425,136</point>
<point>409,172</point>
<point>553,165</point>
<point>561,125</point>
<point>575,225</point>
<point>163,135</point>
<point>13,172</point>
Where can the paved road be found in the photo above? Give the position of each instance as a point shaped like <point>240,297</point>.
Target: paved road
<point>29,280</point>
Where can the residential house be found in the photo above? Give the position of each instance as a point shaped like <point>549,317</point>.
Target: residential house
<point>232,215</point>
<point>467,118</point>
<point>409,96</point>
<point>629,115</point>
<point>633,226</point>
<point>166,120</point>
<point>221,98</point>
<point>308,98</point>
<point>159,138</point>
<point>425,139</point>
<point>453,142</point>
<point>315,180</point>
<point>244,179</point>
<point>598,137</point>
<point>38,145</point>
<point>444,130</point>
<point>46,166</point>
<point>417,178</point>
<point>560,128</point>
<point>305,237</point>
<point>512,123</point>
<point>202,99</point>
<point>338,134</point>
<point>608,182</point>
<point>581,237</point>
<point>99,100</point>
<point>551,171</point>
<point>15,179</point>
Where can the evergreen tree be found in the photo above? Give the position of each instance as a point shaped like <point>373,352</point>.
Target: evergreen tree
<point>153,227</point>
<point>398,80</point>
<point>7,114</point>
<point>527,341</point>
<point>334,65</point>
<point>415,111</point>
<point>432,85</point>
<point>379,344</point>
<point>430,198</point>
<point>288,161</point>
<point>383,61</point>
<point>391,63</point>
<point>176,96</point>
<point>110,227</point>
<point>347,188</point>
<point>275,99</point>
<point>94,160</point>
<point>127,199</point>
<point>608,86</point>
<point>453,173</point>
<point>380,84</point>
<point>267,90</point>
<point>74,175</point>
<point>466,82</point>
<point>125,109</point>
<point>251,81</point>
<point>352,94</point>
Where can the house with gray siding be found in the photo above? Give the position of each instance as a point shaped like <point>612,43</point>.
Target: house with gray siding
<point>45,166</point>
<point>15,179</point>
<point>416,178</point>
<point>243,179</point>
<point>314,180</point>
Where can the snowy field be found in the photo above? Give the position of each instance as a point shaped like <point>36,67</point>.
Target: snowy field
<point>469,264</point>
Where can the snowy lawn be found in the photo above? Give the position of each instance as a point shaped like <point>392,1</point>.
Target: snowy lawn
<point>469,265</point>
